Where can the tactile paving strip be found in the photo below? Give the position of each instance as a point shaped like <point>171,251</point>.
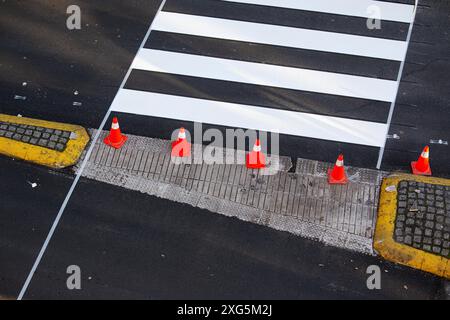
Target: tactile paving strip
<point>300,202</point>
<point>34,135</point>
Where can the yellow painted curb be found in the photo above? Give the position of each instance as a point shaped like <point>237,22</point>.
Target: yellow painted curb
<point>384,242</point>
<point>41,155</point>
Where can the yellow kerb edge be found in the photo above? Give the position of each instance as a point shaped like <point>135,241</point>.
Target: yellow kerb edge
<point>384,242</point>
<point>40,155</point>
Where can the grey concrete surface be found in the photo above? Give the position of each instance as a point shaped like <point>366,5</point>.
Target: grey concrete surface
<point>300,202</point>
<point>130,245</point>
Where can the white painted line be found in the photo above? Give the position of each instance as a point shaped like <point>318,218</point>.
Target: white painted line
<point>266,75</point>
<point>78,175</point>
<point>280,36</point>
<point>358,8</point>
<point>250,117</point>
<point>399,78</point>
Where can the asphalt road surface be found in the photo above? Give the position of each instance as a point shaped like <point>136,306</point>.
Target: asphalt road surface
<point>135,246</point>
<point>63,67</point>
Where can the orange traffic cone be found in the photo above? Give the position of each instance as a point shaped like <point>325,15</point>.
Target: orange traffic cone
<point>422,165</point>
<point>256,159</point>
<point>180,147</point>
<point>115,138</point>
<point>337,175</point>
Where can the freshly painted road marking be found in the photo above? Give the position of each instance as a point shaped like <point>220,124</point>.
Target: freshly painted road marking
<point>358,8</point>
<point>266,75</point>
<point>282,56</point>
<point>399,79</point>
<point>263,74</point>
<point>78,175</point>
<point>280,35</point>
<point>245,116</point>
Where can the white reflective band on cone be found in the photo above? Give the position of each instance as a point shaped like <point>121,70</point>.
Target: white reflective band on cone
<point>182,135</point>
<point>425,155</point>
<point>256,148</point>
<point>115,126</point>
<point>339,163</point>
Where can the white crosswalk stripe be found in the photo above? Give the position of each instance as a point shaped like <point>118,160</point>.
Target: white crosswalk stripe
<point>358,8</point>
<point>280,36</point>
<point>251,117</point>
<point>178,67</point>
<point>266,75</point>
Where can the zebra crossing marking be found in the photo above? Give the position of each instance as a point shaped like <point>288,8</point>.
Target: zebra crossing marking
<point>333,85</point>
<point>390,11</point>
<point>250,117</point>
<point>266,75</point>
<point>280,35</point>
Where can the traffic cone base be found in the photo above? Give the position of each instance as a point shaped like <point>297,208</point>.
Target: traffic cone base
<point>115,145</point>
<point>181,148</point>
<point>115,138</point>
<point>420,173</point>
<point>333,180</point>
<point>422,165</point>
<point>255,160</point>
<point>337,174</point>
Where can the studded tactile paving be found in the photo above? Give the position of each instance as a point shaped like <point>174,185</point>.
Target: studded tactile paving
<point>423,217</point>
<point>34,135</point>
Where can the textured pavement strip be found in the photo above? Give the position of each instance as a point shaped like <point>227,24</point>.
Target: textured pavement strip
<point>423,217</point>
<point>299,202</point>
<point>35,135</point>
